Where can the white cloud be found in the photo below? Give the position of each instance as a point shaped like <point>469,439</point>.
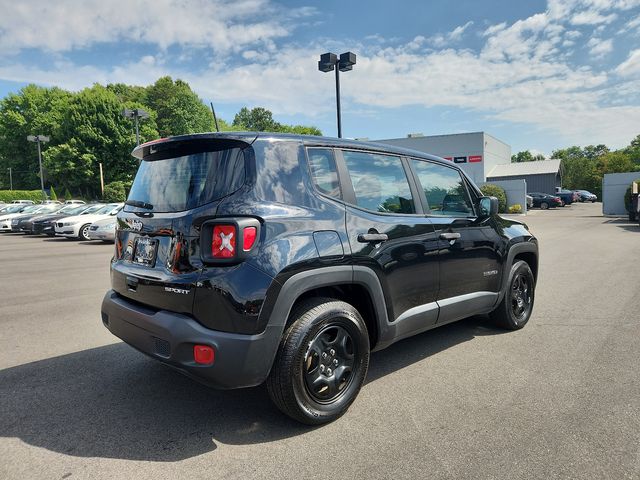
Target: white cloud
<point>599,47</point>
<point>592,17</point>
<point>218,24</point>
<point>444,40</point>
<point>631,66</point>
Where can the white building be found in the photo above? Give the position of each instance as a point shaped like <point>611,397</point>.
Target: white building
<point>476,153</point>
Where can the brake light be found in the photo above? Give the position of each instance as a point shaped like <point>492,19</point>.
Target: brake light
<point>248,238</point>
<point>223,243</point>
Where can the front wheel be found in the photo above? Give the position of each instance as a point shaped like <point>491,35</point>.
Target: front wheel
<point>321,363</point>
<point>544,205</point>
<point>84,232</point>
<point>516,306</point>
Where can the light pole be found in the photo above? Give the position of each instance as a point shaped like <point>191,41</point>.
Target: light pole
<point>136,113</point>
<point>344,63</point>
<point>10,179</point>
<point>39,139</point>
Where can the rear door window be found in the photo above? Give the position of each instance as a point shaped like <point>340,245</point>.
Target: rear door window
<point>379,182</point>
<point>188,181</point>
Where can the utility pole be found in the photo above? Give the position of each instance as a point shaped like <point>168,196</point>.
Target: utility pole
<point>101,181</point>
<point>10,180</point>
<point>40,139</point>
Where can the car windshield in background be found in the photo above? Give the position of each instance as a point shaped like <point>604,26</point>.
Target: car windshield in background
<point>92,209</point>
<point>107,209</point>
<point>13,209</point>
<point>189,181</point>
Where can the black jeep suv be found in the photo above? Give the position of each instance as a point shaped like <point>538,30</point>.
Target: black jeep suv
<point>242,258</point>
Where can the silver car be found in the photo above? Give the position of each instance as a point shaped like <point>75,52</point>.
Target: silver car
<point>104,230</point>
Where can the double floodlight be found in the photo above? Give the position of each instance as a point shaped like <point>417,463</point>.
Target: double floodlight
<point>135,113</point>
<point>329,61</point>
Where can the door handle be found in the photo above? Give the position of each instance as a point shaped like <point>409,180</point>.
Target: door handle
<point>372,237</point>
<point>450,236</point>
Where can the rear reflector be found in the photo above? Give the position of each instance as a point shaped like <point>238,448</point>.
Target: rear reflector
<point>223,244</point>
<point>249,238</point>
<point>203,354</point>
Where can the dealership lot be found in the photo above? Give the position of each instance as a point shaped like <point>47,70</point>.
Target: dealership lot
<point>558,399</point>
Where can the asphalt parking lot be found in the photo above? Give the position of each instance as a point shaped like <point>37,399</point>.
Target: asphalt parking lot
<point>558,399</point>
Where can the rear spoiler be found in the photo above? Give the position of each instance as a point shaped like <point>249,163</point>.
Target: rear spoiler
<point>172,147</point>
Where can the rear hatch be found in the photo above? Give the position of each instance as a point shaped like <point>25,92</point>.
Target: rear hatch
<point>180,181</point>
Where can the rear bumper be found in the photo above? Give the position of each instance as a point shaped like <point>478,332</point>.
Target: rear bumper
<point>240,360</point>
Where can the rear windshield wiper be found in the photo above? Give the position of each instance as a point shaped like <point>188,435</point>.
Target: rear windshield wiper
<point>139,203</point>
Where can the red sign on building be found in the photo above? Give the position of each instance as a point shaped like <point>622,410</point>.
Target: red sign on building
<point>448,158</point>
<point>475,158</point>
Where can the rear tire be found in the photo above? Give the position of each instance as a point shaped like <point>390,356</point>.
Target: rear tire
<point>516,306</point>
<point>321,363</point>
<point>544,205</point>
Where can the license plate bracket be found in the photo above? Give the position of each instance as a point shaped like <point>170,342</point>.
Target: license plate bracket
<point>145,251</point>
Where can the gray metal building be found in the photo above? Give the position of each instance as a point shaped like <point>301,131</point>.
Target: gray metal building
<point>476,153</point>
<point>541,176</point>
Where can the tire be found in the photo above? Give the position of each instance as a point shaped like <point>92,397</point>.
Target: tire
<point>302,383</point>
<point>632,216</point>
<point>83,233</point>
<point>516,306</point>
<point>544,205</point>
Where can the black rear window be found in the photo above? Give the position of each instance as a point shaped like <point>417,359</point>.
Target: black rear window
<point>188,181</point>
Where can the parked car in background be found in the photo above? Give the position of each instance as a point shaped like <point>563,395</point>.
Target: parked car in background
<point>566,196</point>
<point>78,226</point>
<point>104,230</point>
<point>586,196</point>
<point>24,202</point>
<point>46,224</point>
<point>529,199</point>
<point>75,202</point>
<point>17,209</point>
<point>544,200</point>
<point>45,209</point>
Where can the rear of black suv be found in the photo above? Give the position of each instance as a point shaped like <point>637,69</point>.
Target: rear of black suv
<point>243,258</point>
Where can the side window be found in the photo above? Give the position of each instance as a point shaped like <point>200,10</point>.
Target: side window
<point>444,189</point>
<point>379,182</point>
<point>324,172</point>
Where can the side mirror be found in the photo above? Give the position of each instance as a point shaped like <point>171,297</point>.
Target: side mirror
<point>488,206</point>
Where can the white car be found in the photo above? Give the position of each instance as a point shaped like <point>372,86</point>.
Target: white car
<point>15,210</point>
<point>104,230</point>
<point>78,226</point>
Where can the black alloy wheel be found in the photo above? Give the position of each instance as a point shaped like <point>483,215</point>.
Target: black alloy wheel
<point>516,306</point>
<point>521,296</point>
<point>329,363</point>
<point>321,363</point>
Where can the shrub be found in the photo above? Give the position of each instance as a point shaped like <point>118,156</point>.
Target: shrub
<point>517,208</point>
<point>67,194</point>
<point>491,190</point>
<point>116,191</point>
<point>9,195</point>
<point>627,195</point>
<point>52,194</point>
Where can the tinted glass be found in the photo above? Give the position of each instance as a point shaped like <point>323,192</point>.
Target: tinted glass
<point>444,189</point>
<point>379,182</point>
<point>324,172</point>
<point>186,182</point>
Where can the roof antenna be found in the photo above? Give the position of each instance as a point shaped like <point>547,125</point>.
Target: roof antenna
<point>215,119</point>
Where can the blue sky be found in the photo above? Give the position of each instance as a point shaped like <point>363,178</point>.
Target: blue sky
<point>538,75</point>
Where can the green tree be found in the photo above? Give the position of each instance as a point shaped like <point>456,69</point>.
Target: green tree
<point>260,119</point>
<point>94,131</point>
<point>52,194</point>
<point>116,191</point>
<point>179,110</point>
<point>491,190</point>
<point>524,156</point>
<point>32,111</point>
<point>67,194</point>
